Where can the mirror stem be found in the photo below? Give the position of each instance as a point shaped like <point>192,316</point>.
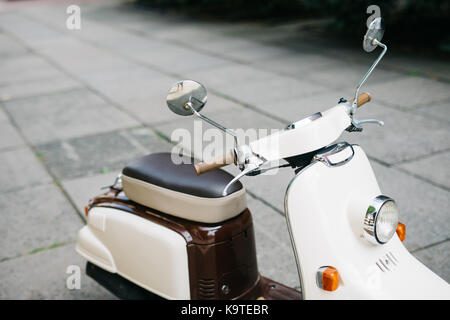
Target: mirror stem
<point>213,123</point>
<point>355,100</point>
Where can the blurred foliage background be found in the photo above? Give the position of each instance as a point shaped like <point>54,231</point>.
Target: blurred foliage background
<point>424,21</point>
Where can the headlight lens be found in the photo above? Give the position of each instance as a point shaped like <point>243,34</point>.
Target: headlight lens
<point>386,222</point>
<point>381,220</point>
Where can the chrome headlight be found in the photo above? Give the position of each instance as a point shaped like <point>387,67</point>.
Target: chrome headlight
<point>381,220</point>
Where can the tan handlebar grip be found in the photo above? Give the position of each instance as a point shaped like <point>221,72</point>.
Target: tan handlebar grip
<point>221,161</point>
<point>363,98</point>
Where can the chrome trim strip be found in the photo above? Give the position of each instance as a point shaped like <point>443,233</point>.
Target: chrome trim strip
<point>304,121</point>
<point>334,149</point>
<point>286,215</point>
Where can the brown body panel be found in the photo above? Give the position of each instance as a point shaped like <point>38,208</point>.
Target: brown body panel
<point>221,257</point>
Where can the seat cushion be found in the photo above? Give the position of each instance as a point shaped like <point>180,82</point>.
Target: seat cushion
<point>157,182</point>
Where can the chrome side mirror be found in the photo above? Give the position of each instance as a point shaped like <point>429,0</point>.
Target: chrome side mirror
<point>372,39</point>
<point>186,97</point>
<point>374,32</point>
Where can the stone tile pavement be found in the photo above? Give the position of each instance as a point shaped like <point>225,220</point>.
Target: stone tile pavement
<point>76,106</point>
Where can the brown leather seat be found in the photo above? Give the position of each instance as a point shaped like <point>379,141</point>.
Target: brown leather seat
<point>157,182</point>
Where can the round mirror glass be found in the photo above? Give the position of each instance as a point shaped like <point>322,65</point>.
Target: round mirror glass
<point>375,31</point>
<point>186,92</point>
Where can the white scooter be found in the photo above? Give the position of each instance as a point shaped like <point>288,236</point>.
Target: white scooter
<point>183,231</point>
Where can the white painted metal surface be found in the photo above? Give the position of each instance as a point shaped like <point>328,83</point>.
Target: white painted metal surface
<point>325,207</point>
<point>305,137</point>
<point>148,254</point>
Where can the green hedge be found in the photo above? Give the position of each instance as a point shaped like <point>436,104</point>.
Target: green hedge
<point>425,22</point>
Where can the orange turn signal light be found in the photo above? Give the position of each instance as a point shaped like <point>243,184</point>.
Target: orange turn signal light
<point>328,278</point>
<point>86,210</point>
<point>401,231</point>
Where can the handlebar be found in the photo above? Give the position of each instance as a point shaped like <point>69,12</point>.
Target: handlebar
<point>363,98</point>
<point>229,157</point>
<point>218,162</point>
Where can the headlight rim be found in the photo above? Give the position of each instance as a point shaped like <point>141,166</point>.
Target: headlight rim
<point>370,219</point>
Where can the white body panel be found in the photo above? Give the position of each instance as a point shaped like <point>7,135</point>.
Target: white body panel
<point>146,253</point>
<point>325,207</point>
<point>305,137</point>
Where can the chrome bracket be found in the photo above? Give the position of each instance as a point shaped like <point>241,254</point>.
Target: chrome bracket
<point>190,106</point>
<point>324,155</point>
<point>117,185</point>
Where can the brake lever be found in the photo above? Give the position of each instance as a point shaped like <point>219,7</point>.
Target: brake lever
<point>356,125</point>
<point>247,170</point>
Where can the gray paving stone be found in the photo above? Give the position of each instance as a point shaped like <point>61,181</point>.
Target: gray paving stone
<point>20,168</point>
<point>81,58</point>
<point>140,91</point>
<point>405,136</point>
<point>225,44</point>
<point>270,224</point>
<point>435,168</point>
<point>26,68</point>
<point>10,137</point>
<point>82,189</point>
<point>129,83</point>
<point>347,75</point>
<point>167,57</point>
<point>104,152</point>
<point>253,52</point>
<point>273,246</point>
<point>414,65</point>
<point>3,116</point>
<point>230,76</point>
<point>25,28</point>
<point>297,63</point>
<point>35,218</point>
<point>10,47</point>
<point>437,258</point>
<point>411,92</point>
<point>294,109</point>
<point>274,263</point>
<point>152,110</point>
<point>270,91</point>
<point>96,31</point>
<point>178,31</point>
<point>254,86</point>
<point>66,115</point>
<point>423,207</point>
<point>37,88</point>
<point>438,110</point>
<point>44,275</point>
